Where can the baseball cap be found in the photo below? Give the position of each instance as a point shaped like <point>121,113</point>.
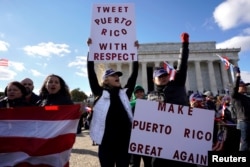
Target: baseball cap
<point>159,71</point>
<point>196,97</point>
<point>111,72</point>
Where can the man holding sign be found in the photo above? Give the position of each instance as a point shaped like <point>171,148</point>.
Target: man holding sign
<point>171,91</point>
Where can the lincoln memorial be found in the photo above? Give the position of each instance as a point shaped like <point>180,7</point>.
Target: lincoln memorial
<point>205,69</point>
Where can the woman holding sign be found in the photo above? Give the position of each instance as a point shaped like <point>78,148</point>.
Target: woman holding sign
<point>112,117</point>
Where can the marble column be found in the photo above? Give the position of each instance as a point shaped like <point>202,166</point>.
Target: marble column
<point>157,64</point>
<point>144,77</point>
<point>198,75</point>
<point>213,85</point>
<point>187,83</point>
<point>118,66</point>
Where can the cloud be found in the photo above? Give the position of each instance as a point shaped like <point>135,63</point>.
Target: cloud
<point>4,46</point>
<point>17,66</point>
<point>245,75</point>
<point>232,13</point>
<point>236,42</point>
<point>6,74</point>
<point>47,49</point>
<point>36,73</point>
<point>80,63</point>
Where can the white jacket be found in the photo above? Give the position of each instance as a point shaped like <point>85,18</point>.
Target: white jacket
<point>100,111</point>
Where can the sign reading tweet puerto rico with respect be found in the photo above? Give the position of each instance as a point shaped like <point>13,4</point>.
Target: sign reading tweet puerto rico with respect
<point>113,33</point>
<point>173,132</point>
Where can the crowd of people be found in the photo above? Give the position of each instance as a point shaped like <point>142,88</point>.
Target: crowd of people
<point>112,117</point>
<point>54,91</point>
<point>112,113</point>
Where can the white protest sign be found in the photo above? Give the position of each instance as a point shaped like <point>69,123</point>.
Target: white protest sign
<point>172,132</point>
<point>113,33</point>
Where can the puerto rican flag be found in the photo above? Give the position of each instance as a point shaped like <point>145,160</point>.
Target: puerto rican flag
<point>38,136</point>
<point>171,71</point>
<point>225,60</point>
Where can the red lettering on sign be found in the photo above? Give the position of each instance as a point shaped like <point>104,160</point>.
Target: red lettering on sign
<point>145,149</point>
<point>197,134</point>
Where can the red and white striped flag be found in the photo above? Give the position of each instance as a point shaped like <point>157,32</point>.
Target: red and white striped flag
<point>4,62</point>
<point>171,71</point>
<point>38,136</point>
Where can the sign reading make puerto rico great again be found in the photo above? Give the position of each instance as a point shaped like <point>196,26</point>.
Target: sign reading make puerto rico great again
<point>113,33</point>
<point>170,131</point>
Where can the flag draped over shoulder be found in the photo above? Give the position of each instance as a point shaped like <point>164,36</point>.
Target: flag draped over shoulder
<point>38,136</point>
<point>4,62</point>
<point>171,71</point>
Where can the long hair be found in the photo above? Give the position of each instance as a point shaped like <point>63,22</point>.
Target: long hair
<point>64,90</point>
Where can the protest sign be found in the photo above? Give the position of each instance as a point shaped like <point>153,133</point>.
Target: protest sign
<point>172,132</point>
<point>113,33</point>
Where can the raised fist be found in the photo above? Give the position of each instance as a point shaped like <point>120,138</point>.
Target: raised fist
<point>236,69</point>
<point>184,37</point>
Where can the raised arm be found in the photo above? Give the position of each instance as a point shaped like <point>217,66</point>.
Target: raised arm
<point>181,71</point>
<point>93,81</point>
<point>132,79</point>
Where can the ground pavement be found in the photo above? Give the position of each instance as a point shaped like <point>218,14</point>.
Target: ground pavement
<point>83,153</point>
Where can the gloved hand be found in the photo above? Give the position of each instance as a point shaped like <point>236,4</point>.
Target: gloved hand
<point>184,37</point>
<point>236,69</point>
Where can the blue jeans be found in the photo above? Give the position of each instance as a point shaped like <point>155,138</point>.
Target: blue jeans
<point>244,127</point>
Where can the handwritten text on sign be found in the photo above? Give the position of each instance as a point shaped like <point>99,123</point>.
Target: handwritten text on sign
<point>172,132</point>
<point>113,33</point>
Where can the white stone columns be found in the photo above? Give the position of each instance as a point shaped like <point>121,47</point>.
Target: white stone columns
<point>198,75</point>
<point>118,66</point>
<point>213,85</point>
<point>187,83</point>
<point>157,64</point>
<point>144,75</point>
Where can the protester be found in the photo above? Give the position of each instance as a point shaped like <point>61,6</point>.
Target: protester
<point>54,91</point>
<point>173,91</point>
<point>241,104</point>
<point>31,97</point>
<point>14,95</point>
<point>135,160</point>
<point>196,100</point>
<point>112,117</point>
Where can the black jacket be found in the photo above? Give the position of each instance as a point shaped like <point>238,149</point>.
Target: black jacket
<point>20,102</point>
<point>240,102</point>
<point>55,99</point>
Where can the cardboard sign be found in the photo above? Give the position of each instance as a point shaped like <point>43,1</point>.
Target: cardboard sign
<point>113,33</point>
<point>174,132</point>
